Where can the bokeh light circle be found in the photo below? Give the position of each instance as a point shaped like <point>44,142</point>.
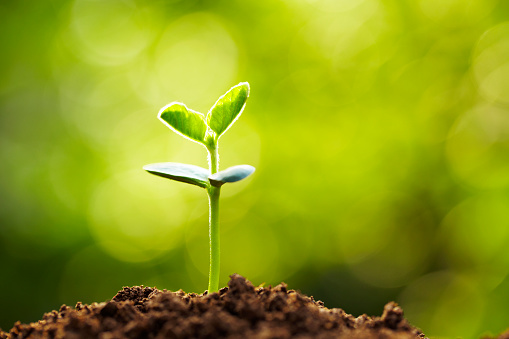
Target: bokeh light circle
<point>92,104</point>
<point>462,11</point>
<point>477,147</point>
<point>491,64</point>
<point>136,217</point>
<point>446,305</point>
<point>326,51</point>
<point>476,236</point>
<point>109,32</point>
<point>194,58</point>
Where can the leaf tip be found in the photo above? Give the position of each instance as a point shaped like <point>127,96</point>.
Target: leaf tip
<point>244,90</point>
<point>232,174</point>
<point>246,86</point>
<point>165,110</point>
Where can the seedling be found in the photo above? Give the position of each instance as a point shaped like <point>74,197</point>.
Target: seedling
<point>206,130</point>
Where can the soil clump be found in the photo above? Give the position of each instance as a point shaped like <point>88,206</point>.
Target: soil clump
<point>237,311</point>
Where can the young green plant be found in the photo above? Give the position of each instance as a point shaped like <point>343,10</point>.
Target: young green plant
<point>206,130</point>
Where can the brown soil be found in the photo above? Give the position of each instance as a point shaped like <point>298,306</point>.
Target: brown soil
<point>237,311</point>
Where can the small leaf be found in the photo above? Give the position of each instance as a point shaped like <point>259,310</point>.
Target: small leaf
<point>228,108</point>
<point>231,174</point>
<point>190,174</point>
<point>184,121</point>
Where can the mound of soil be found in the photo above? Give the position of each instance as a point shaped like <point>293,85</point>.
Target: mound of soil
<point>237,311</point>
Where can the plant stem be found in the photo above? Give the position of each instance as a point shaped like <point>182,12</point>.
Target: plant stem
<point>213,193</point>
<point>214,238</point>
<point>213,158</point>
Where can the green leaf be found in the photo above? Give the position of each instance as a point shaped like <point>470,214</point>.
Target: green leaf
<point>184,121</point>
<point>190,174</point>
<point>231,174</point>
<point>228,108</point>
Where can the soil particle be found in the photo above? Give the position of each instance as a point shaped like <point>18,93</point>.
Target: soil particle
<point>239,311</point>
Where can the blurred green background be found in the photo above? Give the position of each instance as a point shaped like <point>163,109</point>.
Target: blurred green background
<point>379,129</point>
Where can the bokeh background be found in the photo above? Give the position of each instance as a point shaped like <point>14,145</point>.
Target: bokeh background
<point>379,129</point>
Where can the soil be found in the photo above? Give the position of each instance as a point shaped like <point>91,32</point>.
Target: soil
<point>237,311</point>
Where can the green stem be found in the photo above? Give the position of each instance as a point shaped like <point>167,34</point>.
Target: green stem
<point>213,159</point>
<point>213,193</point>
<point>214,238</point>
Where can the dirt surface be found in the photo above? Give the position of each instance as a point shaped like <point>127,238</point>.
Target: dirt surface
<point>237,311</point>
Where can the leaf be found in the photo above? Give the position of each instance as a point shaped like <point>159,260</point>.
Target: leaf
<point>228,108</point>
<point>231,174</point>
<point>184,121</point>
<point>190,174</point>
